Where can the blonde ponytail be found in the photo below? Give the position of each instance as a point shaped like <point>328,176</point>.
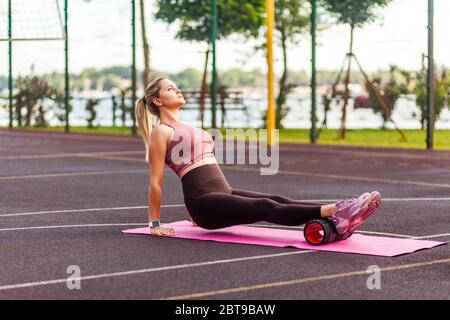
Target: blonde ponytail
<point>144,111</point>
<point>144,122</point>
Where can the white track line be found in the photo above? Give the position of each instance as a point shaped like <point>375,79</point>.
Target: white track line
<point>75,226</point>
<point>68,155</point>
<point>132,272</point>
<point>70,174</point>
<point>417,199</point>
<point>433,236</point>
<point>145,224</point>
<point>372,180</point>
<point>64,155</point>
<point>182,205</point>
<point>165,206</point>
<point>287,172</point>
<point>84,210</point>
<point>394,154</point>
<point>251,225</point>
<point>70,136</point>
<point>359,231</point>
<point>384,199</point>
<point>303,147</point>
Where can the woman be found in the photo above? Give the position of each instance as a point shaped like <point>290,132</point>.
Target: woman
<point>211,202</point>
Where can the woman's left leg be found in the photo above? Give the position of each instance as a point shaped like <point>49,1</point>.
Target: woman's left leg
<point>216,210</point>
<point>277,198</point>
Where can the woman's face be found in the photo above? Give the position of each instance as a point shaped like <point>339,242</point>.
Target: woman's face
<point>170,96</point>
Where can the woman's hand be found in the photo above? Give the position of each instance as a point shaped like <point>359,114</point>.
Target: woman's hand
<point>160,231</point>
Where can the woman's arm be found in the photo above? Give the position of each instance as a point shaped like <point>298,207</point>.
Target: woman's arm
<point>158,147</point>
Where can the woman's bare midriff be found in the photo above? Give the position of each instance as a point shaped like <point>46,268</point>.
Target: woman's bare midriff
<point>209,160</point>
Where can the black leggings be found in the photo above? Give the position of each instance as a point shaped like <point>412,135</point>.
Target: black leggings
<point>213,204</point>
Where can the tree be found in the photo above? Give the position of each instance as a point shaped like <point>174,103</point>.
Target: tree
<point>355,13</point>
<point>37,96</point>
<point>146,47</point>
<point>441,93</point>
<point>399,83</point>
<point>233,16</point>
<point>90,108</point>
<point>58,97</point>
<point>31,94</point>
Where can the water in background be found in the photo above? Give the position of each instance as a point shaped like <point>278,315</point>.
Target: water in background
<point>406,114</point>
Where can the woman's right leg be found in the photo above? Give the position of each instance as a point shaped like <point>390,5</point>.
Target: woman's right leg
<point>217,210</point>
<point>277,198</point>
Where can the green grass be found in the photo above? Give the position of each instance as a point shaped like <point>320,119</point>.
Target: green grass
<point>416,139</point>
<point>357,137</point>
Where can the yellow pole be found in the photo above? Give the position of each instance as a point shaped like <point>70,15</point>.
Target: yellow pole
<point>270,11</point>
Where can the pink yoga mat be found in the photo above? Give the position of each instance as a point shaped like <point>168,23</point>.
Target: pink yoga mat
<point>357,243</point>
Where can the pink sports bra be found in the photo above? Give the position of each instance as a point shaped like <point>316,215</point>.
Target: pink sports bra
<point>188,146</point>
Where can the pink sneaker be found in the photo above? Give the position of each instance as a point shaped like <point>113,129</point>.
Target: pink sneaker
<point>347,211</point>
<point>374,204</point>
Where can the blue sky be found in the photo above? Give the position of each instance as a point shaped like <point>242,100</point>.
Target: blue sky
<point>100,36</point>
